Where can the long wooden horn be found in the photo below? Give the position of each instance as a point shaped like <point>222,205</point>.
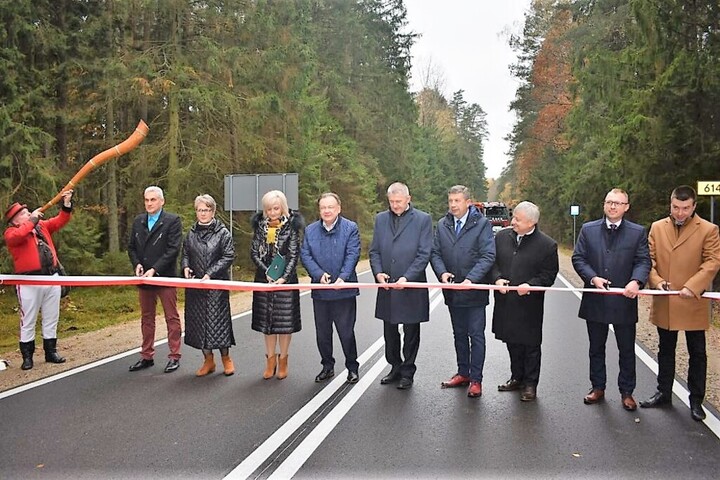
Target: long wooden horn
<point>122,148</point>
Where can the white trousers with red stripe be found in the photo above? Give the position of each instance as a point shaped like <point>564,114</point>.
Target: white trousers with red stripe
<point>38,299</point>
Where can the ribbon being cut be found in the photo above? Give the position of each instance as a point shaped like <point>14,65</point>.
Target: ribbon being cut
<point>105,281</point>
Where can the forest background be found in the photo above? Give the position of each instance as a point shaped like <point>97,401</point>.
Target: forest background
<point>612,93</point>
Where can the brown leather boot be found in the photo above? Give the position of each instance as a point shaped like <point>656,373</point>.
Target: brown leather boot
<point>270,366</point>
<point>208,365</point>
<point>282,367</point>
<point>228,366</point>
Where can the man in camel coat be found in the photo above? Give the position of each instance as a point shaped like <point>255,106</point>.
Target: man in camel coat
<point>685,253</point>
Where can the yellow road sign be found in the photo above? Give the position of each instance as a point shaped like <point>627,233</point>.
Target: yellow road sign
<point>708,187</point>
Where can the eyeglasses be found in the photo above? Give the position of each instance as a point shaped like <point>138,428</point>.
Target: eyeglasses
<point>203,210</point>
<point>610,203</point>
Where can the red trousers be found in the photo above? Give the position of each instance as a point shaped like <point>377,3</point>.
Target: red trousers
<point>148,303</point>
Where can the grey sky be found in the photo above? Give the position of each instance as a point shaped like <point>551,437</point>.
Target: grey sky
<point>466,41</point>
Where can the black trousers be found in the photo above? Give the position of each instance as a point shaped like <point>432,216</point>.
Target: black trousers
<point>341,312</point>
<point>697,368</point>
<point>625,338</point>
<point>411,345</point>
<point>525,363</point>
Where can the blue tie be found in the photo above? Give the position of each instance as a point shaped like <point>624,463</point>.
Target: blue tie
<point>458,227</point>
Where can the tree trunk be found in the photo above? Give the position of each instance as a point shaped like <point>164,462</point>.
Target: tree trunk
<point>113,235</point>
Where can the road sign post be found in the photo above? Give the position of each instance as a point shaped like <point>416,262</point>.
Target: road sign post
<point>709,188</point>
<point>243,192</point>
<point>574,212</point>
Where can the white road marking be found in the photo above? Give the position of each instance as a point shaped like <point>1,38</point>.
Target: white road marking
<point>303,451</point>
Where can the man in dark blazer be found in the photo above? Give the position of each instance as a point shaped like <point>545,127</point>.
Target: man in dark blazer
<point>612,252</point>
<point>399,253</point>
<point>524,257</point>
<point>153,249</point>
<point>464,252</point>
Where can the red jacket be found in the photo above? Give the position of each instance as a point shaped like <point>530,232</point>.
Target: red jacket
<point>22,241</point>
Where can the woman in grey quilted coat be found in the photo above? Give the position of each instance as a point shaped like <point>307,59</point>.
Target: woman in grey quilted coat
<point>208,253</point>
<point>276,314</point>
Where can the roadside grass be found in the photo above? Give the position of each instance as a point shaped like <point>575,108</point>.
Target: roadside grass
<point>86,309</point>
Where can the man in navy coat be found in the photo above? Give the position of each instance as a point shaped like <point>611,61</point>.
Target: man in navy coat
<point>612,252</point>
<point>399,253</point>
<point>464,252</point>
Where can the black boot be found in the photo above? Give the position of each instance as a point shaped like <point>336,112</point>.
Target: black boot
<point>51,355</point>
<point>27,349</point>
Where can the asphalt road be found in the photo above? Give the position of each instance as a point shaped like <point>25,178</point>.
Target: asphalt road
<point>104,422</point>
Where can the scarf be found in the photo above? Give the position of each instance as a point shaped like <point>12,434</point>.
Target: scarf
<point>272,227</point>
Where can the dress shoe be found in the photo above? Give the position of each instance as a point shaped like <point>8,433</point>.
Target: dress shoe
<point>529,394</point>
<point>594,396</point>
<point>172,365</point>
<point>696,412</point>
<point>353,377</point>
<point>510,385</point>
<point>406,383</point>
<point>474,390</point>
<point>141,364</point>
<point>628,402</point>
<point>391,377</point>
<point>657,400</point>
<point>456,381</point>
<point>324,375</point>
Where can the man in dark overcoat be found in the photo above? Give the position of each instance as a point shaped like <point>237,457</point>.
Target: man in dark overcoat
<point>612,251</point>
<point>464,252</point>
<point>524,257</point>
<point>399,253</point>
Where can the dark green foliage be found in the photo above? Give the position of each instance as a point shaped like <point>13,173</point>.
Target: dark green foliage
<point>645,89</point>
<point>314,87</point>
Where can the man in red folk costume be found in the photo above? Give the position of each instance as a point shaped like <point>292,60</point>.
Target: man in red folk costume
<point>28,238</point>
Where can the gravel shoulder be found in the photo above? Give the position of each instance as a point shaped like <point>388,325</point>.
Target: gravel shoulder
<point>89,347</point>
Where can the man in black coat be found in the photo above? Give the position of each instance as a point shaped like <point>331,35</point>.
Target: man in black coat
<point>153,249</point>
<point>614,252</point>
<point>524,257</point>
<point>464,252</point>
<point>399,253</point>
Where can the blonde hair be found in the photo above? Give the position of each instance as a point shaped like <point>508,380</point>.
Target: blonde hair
<point>270,197</point>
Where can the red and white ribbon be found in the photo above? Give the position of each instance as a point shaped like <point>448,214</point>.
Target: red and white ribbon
<point>104,281</point>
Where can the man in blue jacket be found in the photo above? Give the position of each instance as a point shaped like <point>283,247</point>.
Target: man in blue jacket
<point>464,252</point>
<point>612,252</point>
<point>330,253</point>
